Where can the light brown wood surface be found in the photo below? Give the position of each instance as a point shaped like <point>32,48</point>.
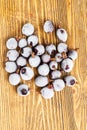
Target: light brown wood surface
<point>67,110</point>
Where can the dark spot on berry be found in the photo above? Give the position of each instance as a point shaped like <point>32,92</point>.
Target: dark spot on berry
<point>23,71</point>
<point>61,31</point>
<point>67,67</point>
<point>31,44</point>
<point>22,51</point>
<point>24,91</point>
<point>35,51</point>
<point>72,82</point>
<point>53,53</point>
<point>53,66</point>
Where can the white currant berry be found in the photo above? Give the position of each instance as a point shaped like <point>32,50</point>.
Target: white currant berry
<point>10,66</point>
<point>67,65</point>
<point>14,79</point>
<point>26,73</point>
<point>48,26</point>
<point>62,34</point>
<point>22,43</point>
<point>12,55</point>
<point>39,50</point>
<point>32,40</point>
<point>41,81</point>
<point>43,69</point>
<point>55,74</point>
<point>28,29</point>
<point>34,61</point>
<point>45,58</point>
<point>70,81</point>
<point>73,54</point>
<point>53,65</point>
<point>23,90</point>
<point>47,93</point>
<point>62,47</point>
<point>26,52</point>
<point>11,43</point>
<point>21,61</point>
<point>51,49</point>
<point>58,84</point>
<point>58,57</point>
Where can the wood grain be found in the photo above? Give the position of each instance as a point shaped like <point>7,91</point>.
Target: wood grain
<point>68,109</point>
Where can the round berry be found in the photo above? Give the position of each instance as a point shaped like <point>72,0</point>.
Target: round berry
<point>26,52</point>
<point>58,57</point>
<point>70,81</point>
<point>41,81</point>
<point>62,47</point>
<point>12,55</point>
<point>11,43</point>
<point>58,84</point>
<point>28,29</point>
<point>21,61</point>
<point>73,54</point>
<point>45,58</point>
<point>32,40</point>
<point>10,66</point>
<point>43,69</point>
<point>51,50</point>
<point>22,43</point>
<point>55,74</point>
<point>53,65</point>
<point>34,61</point>
<point>39,50</point>
<point>48,26</point>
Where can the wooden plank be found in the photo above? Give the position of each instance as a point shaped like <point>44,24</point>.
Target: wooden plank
<point>68,109</point>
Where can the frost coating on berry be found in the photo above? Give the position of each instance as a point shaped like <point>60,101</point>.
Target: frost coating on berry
<point>28,29</point>
<point>26,52</point>
<point>39,49</point>
<point>10,66</point>
<point>23,90</point>
<point>43,69</point>
<point>62,47</point>
<point>58,57</point>
<point>48,26</point>
<point>51,49</point>
<point>12,55</point>
<point>34,61</point>
<point>22,43</point>
<point>62,34</point>
<point>67,65</point>
<point>47,93</point>
<point>26,73</point>
<point>11,43</point>
<point>14,79</point>
<point>41,81</point>
<point>53,65</point>
<point>70,81</point>
<point>56,74</point>
<point>21,61</point>
<point>58,84</point>
<point>32,40</point>
<point>73,54</point>
<point>45,58</point>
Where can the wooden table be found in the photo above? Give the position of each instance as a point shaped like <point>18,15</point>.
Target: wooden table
<point>68,109</point>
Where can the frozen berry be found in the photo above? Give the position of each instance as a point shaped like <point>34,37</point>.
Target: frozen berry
<point>26,52</point>
<point>55,74</point>
<point>41,81</point>
<point>32,40</point>
<point>23,90</point>
<point>26,73</point>
<point>45,58</point>
<point>39,50</point>
<point>34,61</point>
<point>21,61</point>
<point>43,69</point>
<point>58,84</point>
<point>11,43</point>
<point>53,65</point>
<point>58,57</point>
<point>51,49</point>
<point>28,29</point>
<point>70,81</point>
<point>14,79</point>
<point>62,47</point>
<point>12,55</point>
<point>47,93</point>
<point>62,34</point>
<point>10,66</point>
<point>22,43</point>
<point>67,65</point>
<point>48,26</point>
<point>73,54</point>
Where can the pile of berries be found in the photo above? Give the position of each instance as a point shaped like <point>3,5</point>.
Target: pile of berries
<point>51,61</point>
